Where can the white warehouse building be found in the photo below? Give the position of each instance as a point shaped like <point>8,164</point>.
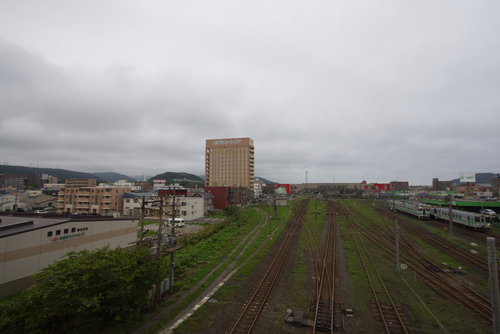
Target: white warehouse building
<point>29,244</point>
<point>188,207</point>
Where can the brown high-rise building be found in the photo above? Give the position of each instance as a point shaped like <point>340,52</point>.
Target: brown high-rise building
<point>229,162</point>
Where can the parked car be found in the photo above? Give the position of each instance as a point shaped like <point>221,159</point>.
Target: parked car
<point>488,212</point>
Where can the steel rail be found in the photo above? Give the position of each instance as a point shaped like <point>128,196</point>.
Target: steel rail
<point>463,294</point>
<point>253,308</point>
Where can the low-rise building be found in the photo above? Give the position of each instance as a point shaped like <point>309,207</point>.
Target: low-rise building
<point>333,188</point>
<point>400,185</point>
<point>91,200</point>
<point>8,202</point>
<point>257,189</point>
<point>229,196</point>
<point>28,245</point>
<point>187,207</point>
<point>13,181</point>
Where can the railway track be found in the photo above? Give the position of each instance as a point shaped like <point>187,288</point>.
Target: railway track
<point>325,310</point>
<point>327,315</point>
<point>252,310</point>
<point>392,320</point>
<point>442,283</point>
<point>414,226</point>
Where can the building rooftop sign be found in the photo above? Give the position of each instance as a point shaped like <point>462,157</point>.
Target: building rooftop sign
<point>467,177</point>
<point>226,142</point>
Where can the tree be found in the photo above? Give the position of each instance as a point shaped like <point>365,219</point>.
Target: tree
<point>86,290</point>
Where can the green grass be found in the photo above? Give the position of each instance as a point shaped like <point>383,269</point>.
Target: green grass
<point>456,318</point>
<point>227,291</point>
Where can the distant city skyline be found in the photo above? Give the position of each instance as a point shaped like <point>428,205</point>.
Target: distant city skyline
<point>140,177</point>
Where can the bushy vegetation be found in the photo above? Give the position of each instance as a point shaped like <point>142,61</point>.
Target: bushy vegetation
<point>90,292</point>
<point>204,246</point>
<point>84,292</point>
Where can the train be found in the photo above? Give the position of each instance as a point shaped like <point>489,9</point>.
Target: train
<point>472,220</point>
<point>419,210</point>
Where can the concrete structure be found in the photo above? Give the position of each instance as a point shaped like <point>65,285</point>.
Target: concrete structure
<point>91,200</point>
<point>57,186</point>
<point>191,208</point>
<point>495,185</point>
<point>28,245</point>
<point>37,201</point>
<point>400,186</point>
<point>13,181</point>
<point>229,196</point>
<point>79,183</point>
<point>257,189</point>
<point>285,187</point>
<point>474,189</point>
<point>8,202</point>
<point>208,202</point>
<point>377,188</point>
<point>441,185</point>
<point>229,163</point>
<point>132,204</point>
<point>187,207</point>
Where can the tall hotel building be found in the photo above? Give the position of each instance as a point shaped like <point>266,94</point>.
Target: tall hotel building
<point>229,163</point>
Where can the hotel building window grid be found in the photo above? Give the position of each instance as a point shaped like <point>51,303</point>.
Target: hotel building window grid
<point>229,162</point>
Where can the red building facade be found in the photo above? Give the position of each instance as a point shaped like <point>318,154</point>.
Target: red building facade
<point>285,186</point>
<point>229,196</point>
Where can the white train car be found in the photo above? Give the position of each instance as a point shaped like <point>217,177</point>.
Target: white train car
<point>472,220</point>
<point>419,210</point>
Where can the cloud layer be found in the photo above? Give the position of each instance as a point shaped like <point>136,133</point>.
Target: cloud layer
<point>345,91</point>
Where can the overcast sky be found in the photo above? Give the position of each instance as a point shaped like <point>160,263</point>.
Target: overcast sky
<point>343,90</point>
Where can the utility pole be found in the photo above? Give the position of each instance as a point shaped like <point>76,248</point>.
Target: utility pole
<point>316,213</point>
<point>275,209</point>
<point>270,212</point>
<point>143,208</point>
<point>492,265</point>
<point>173,214</point>
<point>397,244</point>
<point>160,230</point>
<point>15,205</point>
<point>450,214</point>
<point>172,263</point>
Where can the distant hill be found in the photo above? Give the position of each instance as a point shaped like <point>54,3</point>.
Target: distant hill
<point>106,177</point>
<point>264,181</point>
<point>110,177</point>
<point>63,174</point>
<point>173,176</point>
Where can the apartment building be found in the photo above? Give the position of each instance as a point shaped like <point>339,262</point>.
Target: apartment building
<point>79,183</point>
<point>230,163</point>
<point>91,200</point>
<point>13,181</point>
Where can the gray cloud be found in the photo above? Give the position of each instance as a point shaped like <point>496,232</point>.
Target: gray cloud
<point>345,91</point>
